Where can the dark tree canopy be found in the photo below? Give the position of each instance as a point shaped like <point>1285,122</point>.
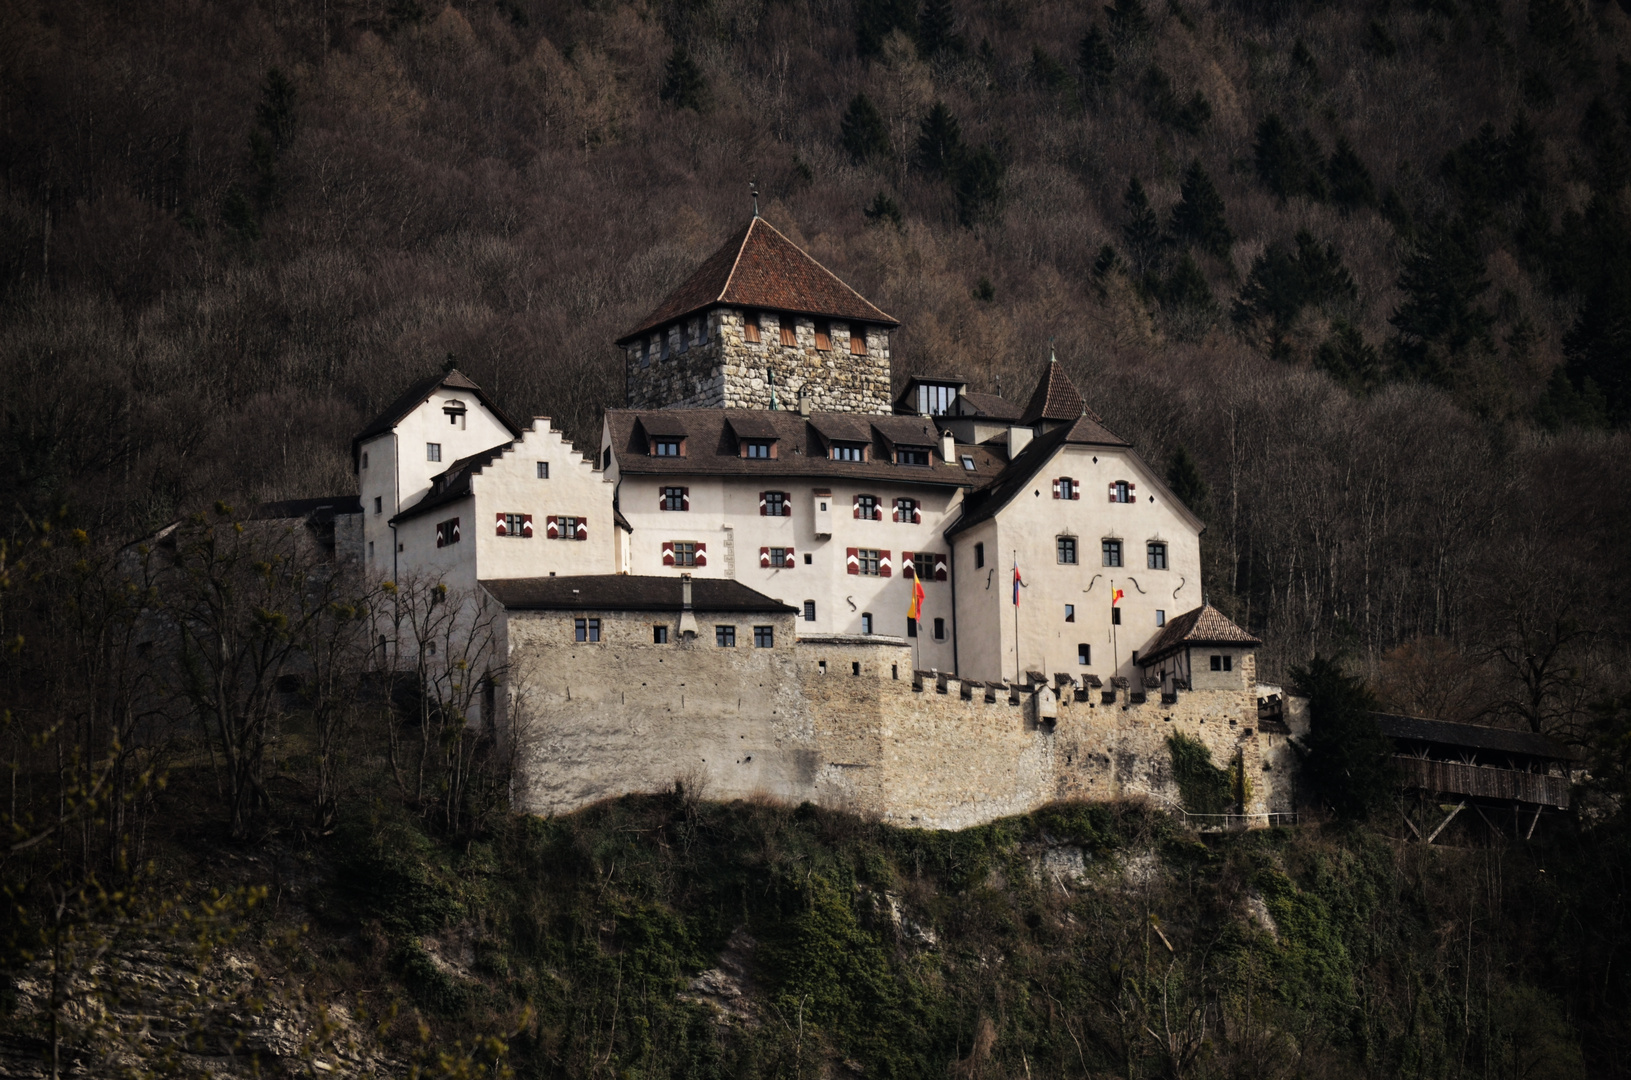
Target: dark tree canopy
<point>1345,758</point>
<point>865,135</point>
<point>1198,218</point>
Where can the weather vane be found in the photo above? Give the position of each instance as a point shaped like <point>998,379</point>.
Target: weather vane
<point>753,185</point>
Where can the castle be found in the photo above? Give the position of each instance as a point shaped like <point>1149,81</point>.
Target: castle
<point>775,577</point>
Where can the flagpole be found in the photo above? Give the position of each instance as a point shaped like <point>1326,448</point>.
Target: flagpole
<point>1015,587</point>
<point>1115,651</point>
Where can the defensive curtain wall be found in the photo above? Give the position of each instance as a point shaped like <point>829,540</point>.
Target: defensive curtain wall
<point>845,722</point>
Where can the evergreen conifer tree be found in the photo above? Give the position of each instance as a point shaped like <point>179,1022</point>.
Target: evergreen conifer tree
<point>1129,22</point>
<point>978,185</point>
<point>1281,160</point>
<point>684,86</point>
<point>939,142</point>
<point>1346,758</point>
<point>1440,318</point>
<point>937,30</point>
<point>1198,217</point>
<point>865,135</point>
<point>1097,61</point>
<point>1284,280</point>
<point>876,19</point>
<point>1185,480</point>
<point>1140,231</point>
<point>883,209</point>
<point>1350,181</point>
<point>1348,358</point>
<point>1598,345</point>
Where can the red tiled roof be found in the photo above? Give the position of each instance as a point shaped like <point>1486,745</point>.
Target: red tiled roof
<point>1206,625</point>
<point>761,268</point>
<point>1056,397</point>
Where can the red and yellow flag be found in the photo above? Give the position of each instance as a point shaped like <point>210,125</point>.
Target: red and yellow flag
<point>916,610</point>
<point>1115,597</point>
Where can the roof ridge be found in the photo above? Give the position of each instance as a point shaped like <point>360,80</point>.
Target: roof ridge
<point>818,262</point>
<point>730,274</point>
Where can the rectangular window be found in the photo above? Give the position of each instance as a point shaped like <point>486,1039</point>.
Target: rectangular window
<point>764,637</point>
<point>1112,553</point>
<point>775,503</point>
<point>370,549</point>
<point>566,528</point>
<point>1157,555</point>
<point>908,511</point>
<point>586,629</point>
<point>666,352</point>
<point>365,459</point>
<point>543,470</point>
<point>750,327</point>
<point>940,629</point>
<point>447,532</point>
<point>923,565</point>
<point>866,507</point>
<point>1084,654</point>
<point>857,341</point>
<point>868,558</point>
<point>433,451</point>
<point>702,330</point>
<point>685,553</point>
<point>823,337</point>
<point>725,637</point>
<point>757,448</point>
<point>1115,616</point>
<point>911,626</point>
<point>516,525</point>
<point>665,448</point>
<point>643,355</point>
<point>1067,488</point>
<point>659,635</point>
<point>1121,492</point>
<point>674,499</point>
<point>1066,546</point>
<point>968,462</point>
<point>809,611</point>
<point>778,557</point>
<point>1217,663</point>
<point>1070,612</point>
<point>790,335</point>
<point>848,452</point>
<point>1160,617</point>
<point>979,556</point>
<point>378,504</point>
<point>866,624</point>
<point>911,455</point>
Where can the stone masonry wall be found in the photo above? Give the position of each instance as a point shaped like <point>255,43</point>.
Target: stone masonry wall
<point>731,372</point>
<point>844,724</point>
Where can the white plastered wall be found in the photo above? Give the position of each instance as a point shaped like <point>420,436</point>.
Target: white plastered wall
<point>510,485</point>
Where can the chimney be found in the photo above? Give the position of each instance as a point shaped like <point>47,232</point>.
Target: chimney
<point>948,448</point>
<point>804,401</point>
<point>1018,437</point>
<point>688,620</point>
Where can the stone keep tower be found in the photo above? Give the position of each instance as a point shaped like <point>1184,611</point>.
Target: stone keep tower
<point>761,325</point>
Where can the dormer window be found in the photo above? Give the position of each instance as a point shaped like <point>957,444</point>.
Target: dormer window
<point>848,451</point>
<point>935,399</point>
<point>454,411</point>
<point>666,447</point>
<point>761,449</point>
<point>911,455</point>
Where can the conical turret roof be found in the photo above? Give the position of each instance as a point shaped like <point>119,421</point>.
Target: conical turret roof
<point>1056,397</point>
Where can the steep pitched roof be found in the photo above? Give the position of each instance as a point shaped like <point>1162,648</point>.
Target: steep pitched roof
<point>985,503</point>
<point>1055,397</point>
<point>989,406</point>
<point>416,395</point>
<point>1206,625</point>
<point>453,483</point>
<point>626,592</point>
<point>761,268</point>
<point>1420,729</point>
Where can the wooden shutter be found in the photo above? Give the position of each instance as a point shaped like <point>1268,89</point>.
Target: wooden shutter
<point>852,560</point>
<point>787,505</point>
<point>1056,489</point>
<point>857,342</point>
<point>763,504</point>
<point>552,527</point>
<point>668,553</point>
<point>702,554</point>
<point>897,510</point>
<point>941,571</point>
<point>441,534</point>
<point>884,569</point>
<point>906,565</point>
<point>1075,489</point>
<point>1112,492</point>
<point>791,560</point>
<point>583,529</point>
<point>790,334</point>
<point>857,507</point>
<point>917,512</point>
<point>764,558</point>
<point>526,526</point>
<point>750,327</point>
<point>502,531</point>
<point>685,499</point>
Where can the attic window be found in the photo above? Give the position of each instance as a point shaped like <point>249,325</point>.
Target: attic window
<point>455,410</point>
<point>849,451</point>
<point>750,327</point>
<point>823,337</point>
<point>968,462</point>
<point>763,449</point>
<point>911,455</point>
<point>857,341</point>
<point>790,336</point>
<point>666,447</point>
<point>935,399</point>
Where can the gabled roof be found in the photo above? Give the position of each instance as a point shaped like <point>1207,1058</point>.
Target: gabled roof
<point>761,268</point>
<point>1055,397</point>
<point>985,504</point>
<point>1206,625</point>
<point>626,592</point>
<point>416,395</point>
<point>453,483</point>
<point>1420,729</point>
<point>987,406</point>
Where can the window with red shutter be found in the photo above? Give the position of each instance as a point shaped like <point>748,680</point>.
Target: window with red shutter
<point>852,560</point>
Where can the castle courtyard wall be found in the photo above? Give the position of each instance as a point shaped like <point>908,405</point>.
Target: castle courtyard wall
<point>841,721</point>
